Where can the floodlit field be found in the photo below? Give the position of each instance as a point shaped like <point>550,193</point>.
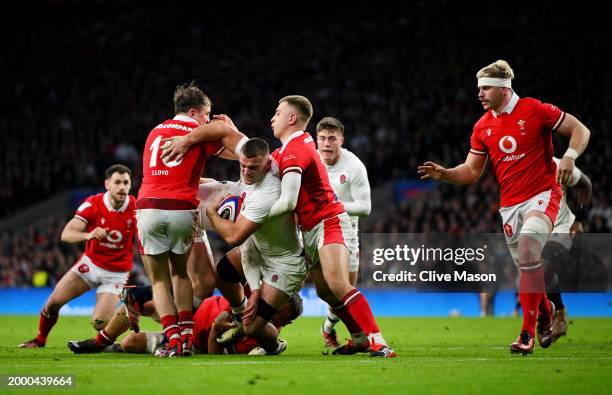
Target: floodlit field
<point>436,355</point>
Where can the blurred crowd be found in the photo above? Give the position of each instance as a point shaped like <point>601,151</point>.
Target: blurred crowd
<point>81,88</point>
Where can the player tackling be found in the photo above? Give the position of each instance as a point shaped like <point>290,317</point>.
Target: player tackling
<point>516,135</point>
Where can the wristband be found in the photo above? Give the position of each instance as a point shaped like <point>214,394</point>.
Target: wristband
<point>240,144</point>
<point>571,153</point>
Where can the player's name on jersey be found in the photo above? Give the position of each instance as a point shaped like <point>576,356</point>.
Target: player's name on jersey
<point>160,172</point>
<point>431,276</point>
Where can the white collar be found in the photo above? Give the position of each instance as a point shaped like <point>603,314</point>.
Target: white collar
<point>509,107</point>
<point>291,137</point>
<point>184,118</point>
<point>109,205</point>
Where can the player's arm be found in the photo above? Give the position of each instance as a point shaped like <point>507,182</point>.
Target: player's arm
<point>466,173</point>
<point>234,233</point>
<point>579,136</point>
<point>75,231</point>
<point>360,192</point>
<point>219,324</point>
<point>290,191</point>
<point>176,147</point>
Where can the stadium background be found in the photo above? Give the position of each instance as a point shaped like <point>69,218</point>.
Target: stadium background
<point>82,85</point>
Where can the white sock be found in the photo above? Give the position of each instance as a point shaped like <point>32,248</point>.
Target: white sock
<point>241,308</point>
<point>330,322</point>
<point>377,338</point>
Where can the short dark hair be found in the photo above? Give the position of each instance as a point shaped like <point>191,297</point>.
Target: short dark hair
<point>301,104</point>
<point>189,96</point>
<point>117,168</point>
<point>332,124</point>
<point>255,147</point>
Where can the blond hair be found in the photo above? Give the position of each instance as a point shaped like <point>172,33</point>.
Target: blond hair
<point>301,104</point>
<point>497,69</point>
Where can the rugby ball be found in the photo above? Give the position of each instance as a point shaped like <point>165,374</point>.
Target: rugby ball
<point>229,208</point>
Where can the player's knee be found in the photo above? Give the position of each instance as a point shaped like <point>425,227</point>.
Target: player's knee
<point>534,234</point>
<point>227,272</point>
<point>98,323</point>
<point>203,287</point>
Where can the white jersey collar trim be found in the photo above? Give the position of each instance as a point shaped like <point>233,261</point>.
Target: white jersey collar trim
<point>291,137</point>
<point>509,107</point>
<point>185,118</point>
<point>110,207</point>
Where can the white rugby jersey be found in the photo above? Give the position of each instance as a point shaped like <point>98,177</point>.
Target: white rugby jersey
<point>349,180</point>
<point>278,235</point>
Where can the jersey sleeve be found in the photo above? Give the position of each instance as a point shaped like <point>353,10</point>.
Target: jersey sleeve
<point>87,211</point>
<point>477,146</point>
<point>550,115</point>
<point>292,160</point>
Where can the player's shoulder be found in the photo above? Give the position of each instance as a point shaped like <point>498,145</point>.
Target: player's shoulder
<point>132,202</point>
<point>92,202</point>
<point>483,122</point>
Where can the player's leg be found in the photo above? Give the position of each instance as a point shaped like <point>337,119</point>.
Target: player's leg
<point>183,300</point>
<point>106,304</point>
<point>328,330</point>
<point>229,277</point>
<point>555,257</point>
<point>334,258</point>
<point>181,228</point>
<point>532,293</point>
<point>270,302</point>
<point>159,274</point>
<point>359,341</point>
<point>199,268</point>
<point>143,342</point>
<point>70,286</point>
<point>118,325</point>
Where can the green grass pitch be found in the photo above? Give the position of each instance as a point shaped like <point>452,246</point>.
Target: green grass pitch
<point>436,355</point>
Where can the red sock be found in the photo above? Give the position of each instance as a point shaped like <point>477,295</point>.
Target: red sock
<point>186,323</point>
<point>171,329</point>
<point>531,290</point>
<point>347,319</point>
<point>359,309</point>
<point>104,339</point>
<point>45,323</point>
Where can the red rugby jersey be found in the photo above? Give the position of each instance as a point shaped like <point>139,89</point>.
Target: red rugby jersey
<point>316,200</point>
<point>114,253</point>
<point>174,180</point>
<point>519,143</point>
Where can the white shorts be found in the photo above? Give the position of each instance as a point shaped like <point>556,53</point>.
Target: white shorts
<point>161,231</point>
<point>334,230</point>
<point>96,277</point>
<point>546,202</point>
<point>284,272</point>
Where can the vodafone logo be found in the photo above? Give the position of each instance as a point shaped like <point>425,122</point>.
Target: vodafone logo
<point>114,236</point>
<point>507,144</point>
